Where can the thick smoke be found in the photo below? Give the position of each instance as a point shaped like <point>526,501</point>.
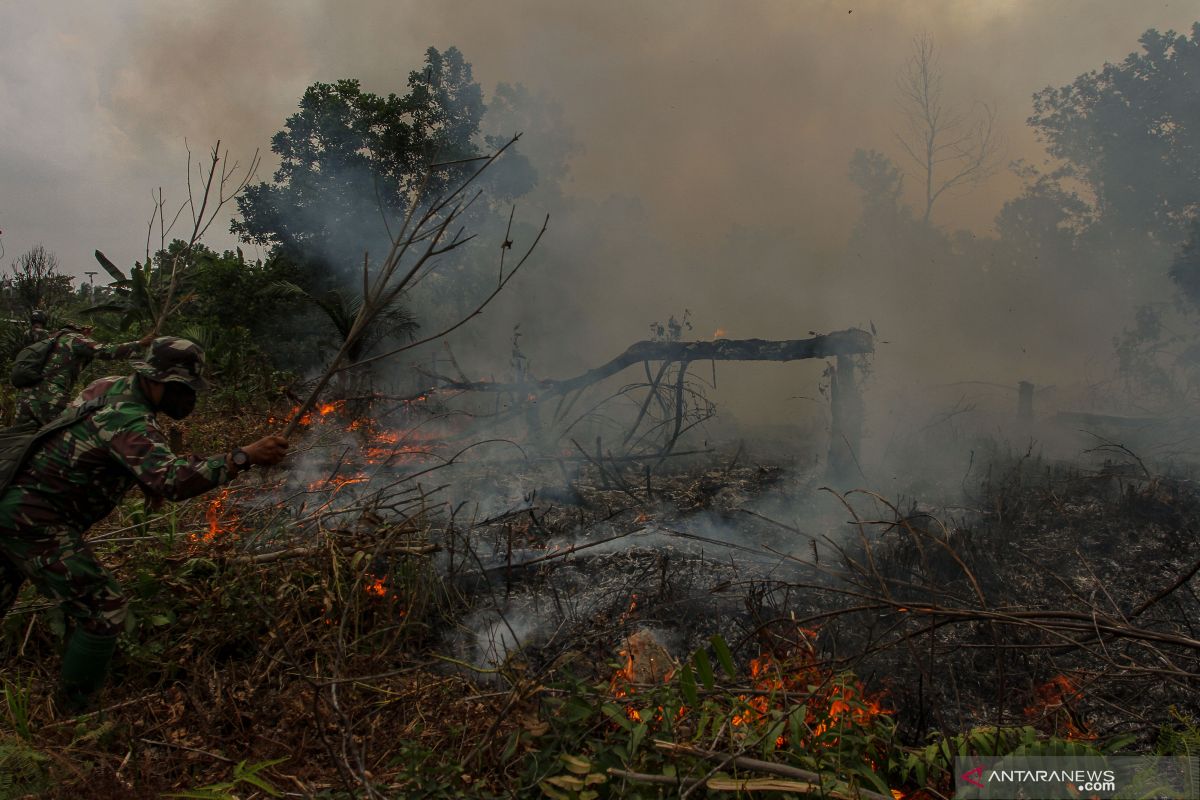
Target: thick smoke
<point>694,156</point>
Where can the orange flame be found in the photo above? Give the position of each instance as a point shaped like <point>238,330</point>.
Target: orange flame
<point>1053,702</point>
<point>336,483</point>
<point>832,702</point>
<point>644,661</point>
<point>213,515</point>
<point>633,604</point>
<point>719,333</point>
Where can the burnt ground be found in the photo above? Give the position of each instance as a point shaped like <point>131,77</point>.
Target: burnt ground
<point>1050,596</point>
<point>977,613</point>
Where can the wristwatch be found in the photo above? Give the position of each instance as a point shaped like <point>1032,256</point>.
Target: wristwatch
<point>240,458</point>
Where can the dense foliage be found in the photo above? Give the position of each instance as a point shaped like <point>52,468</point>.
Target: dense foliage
<point>352,162</point>
<point>1099,244</point>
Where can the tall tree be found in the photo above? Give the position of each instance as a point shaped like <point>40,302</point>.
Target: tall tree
<point>1130,132</point>
<point>350,159</point>
<point>951,148</point>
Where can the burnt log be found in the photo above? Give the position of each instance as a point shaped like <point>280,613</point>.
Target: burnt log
<point>839,343</point>
<point>848,342</point>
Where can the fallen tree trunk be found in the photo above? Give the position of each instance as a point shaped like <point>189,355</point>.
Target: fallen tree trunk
<point>839,343</point>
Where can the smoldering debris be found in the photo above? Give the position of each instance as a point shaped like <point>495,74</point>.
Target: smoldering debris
<point>553,560</point>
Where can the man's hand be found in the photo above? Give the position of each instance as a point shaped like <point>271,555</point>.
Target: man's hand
<point>267,451</point>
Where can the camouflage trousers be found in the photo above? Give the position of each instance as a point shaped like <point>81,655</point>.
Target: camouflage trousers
<point>64,569</point>
<point>39,407</point>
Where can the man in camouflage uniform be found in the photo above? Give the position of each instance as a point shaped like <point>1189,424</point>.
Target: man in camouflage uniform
<point>72,352</point>
<point>37,325</point>
<point>77,475</point>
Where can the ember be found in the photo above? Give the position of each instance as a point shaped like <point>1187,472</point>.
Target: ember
<point>1053,702</point>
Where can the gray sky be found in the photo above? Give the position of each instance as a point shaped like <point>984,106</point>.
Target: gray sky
<point>713,114</point>
<point>695,118</point>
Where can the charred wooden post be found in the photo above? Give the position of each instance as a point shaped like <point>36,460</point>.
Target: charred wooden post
<point>846,424</point>
<point>533,419</point>
<point>1025,402</point>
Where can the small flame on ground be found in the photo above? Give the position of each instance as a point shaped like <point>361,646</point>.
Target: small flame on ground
<point>336,483</point>
<point>833,702</point>
<point>1053,701</point>
<point>633,604</point>
<point>644,661</point>
<point>720,333</point>
<point>219,519</point>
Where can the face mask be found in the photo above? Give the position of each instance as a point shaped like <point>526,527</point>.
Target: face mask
<point>178,400</point>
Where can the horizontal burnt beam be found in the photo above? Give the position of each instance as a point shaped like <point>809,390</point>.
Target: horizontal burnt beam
<point>838,343</point>
<point>848,342</point>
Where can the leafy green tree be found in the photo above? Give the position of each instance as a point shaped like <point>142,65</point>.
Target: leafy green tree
<point>1130,132</point>
<point>1040,228</point>
<point>351,161</point>
<point>230,306</point>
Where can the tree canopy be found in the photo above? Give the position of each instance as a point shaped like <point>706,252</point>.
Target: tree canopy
<point>1131,133</point>
<point>350,161</point>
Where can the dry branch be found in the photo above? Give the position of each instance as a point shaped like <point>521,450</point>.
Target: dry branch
<point>302,552</point>
<point>758,765</point>
<point>429,230</point>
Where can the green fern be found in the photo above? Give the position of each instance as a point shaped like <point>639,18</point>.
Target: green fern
<point>23,770</point>
<point>242,774</point>
<point>1179,740</point>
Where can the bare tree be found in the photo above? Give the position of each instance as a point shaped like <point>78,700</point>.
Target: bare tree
<point>429,229</point>
<point>36,282</point>
<point>952,147</point>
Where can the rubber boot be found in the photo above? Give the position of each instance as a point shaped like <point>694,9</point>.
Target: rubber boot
<point>84,668</point>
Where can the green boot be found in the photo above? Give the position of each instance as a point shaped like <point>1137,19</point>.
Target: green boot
<point>85,666</point>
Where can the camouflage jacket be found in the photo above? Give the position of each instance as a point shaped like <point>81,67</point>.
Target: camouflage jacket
<point>69,356</point>
<point>78,475</point>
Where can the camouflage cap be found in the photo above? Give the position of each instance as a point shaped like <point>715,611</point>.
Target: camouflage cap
<point>174,360</point>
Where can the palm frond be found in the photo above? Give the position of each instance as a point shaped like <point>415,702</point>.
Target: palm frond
<point>112,269</point>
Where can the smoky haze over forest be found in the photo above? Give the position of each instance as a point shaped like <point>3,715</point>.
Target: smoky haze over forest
<point>691,155</point>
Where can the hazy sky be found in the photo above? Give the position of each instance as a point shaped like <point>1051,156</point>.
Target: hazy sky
<point>713,114</point>
<point>694,118</point>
